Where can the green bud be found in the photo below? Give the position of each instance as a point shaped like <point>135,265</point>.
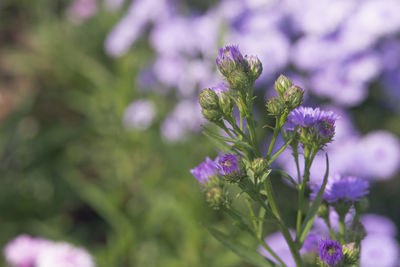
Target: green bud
<point>259,166</point>
<point>217,197</point>
<point>275,106</point>
<point>255,67</point>
<point>282,84</point>
<point>212,115</point>
<point>351,254</point>
<point>293,97</point>
<point>225,104</point>
<point>239,80</point>
<point>208,99</point>
<point>323,211</point>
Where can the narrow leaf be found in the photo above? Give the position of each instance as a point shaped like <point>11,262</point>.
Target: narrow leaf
<point>308,221</point>
<point>250,255</point>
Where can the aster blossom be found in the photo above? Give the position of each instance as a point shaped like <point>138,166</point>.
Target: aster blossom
<point>205,170</point>
<point>315,125</point>
<point>229,164</point>
<point>330,252</point>
<point>348,188</point>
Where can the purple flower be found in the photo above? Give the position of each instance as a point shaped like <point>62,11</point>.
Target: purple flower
<point>310,243</point>
<point>220,88</point>
<point>139,115</point>
<point>378,155</point>
<point>64,255</point>
<point>205,170</point>
<point>24,250</point>
<point>80,10</point>
<point>229,164</point>
<point>379,250</point>
<point>314,119</point>
<point>377,224</point>
<point>229,59</point>
<point>348,188</point>
<point>330,252</point>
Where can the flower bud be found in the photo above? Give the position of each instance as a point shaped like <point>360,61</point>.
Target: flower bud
<point>225,103</point>
<point>212,115</point>
<point>239,80</point>
<point>255,67</point>
<point>282,84</point>
<point>208,99</point>
<point>351,254</point>
<point>323,211</point>
<point>231,59</point>
<point>217,197</point>
<point>293,97</point>
<point>259,166</point>
<point>275,106</point>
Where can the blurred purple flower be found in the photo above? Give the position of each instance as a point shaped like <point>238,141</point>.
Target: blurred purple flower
<point>205,170</point>
<point>139,115</point>
<point>378,155</point>
<point>64,255</point>
<point>379,250</point>
<point>278,244</point>
<point>114,4</point>
<point>23,250</point>
<point>377,224</point>
<point>330,252</point>
<point>80,10</point>
<point>347,189</point>
<point>310,243</point>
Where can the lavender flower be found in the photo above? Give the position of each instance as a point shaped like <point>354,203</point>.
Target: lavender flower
<point>205,170</point>
<point>24,250</point>
<point>316,123</point>
<point>330,252</point>
<point>230,59</point>
<point>80,10</point>
<point>310,243</point>
<point>139,115</point>
<point>348,189</point>
<point>379,225</point>
<point>64,255</point>
<point>229,164</point>
<point>379,250</point>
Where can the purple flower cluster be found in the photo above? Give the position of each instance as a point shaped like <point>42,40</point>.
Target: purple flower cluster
<point>330,252</point>
<point>139,115</point>
<point>227,164</point>
<point>205,170</point>
<point>323,122</point>
<point>26,251</point>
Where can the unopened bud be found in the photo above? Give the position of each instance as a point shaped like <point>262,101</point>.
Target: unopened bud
<point>293,97</point>
<point>230,59</point>
<point>239,80</point>
<point>212,115</point>
<point>351,254</point>
<point>217,197</point>
<point>208,99</point>
<point>275,106</point>
<point>255,67</point>
<point>259,166</point>
<point>225,103</point>
<point>282,84</point>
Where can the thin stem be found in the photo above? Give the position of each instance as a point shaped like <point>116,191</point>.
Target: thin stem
<point>273,157</point>
<point>341,230</point>
<point>302,187</point>
<point>296,159</point>
<point>274,137</point>
<point>268,248</point>
<point>328,223</point>
<point>282,226</point>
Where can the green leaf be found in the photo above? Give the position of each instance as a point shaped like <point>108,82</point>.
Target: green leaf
<point>308,221</point>
<point>217,141</point>
<point>250,255</point>
<point>287,176</point>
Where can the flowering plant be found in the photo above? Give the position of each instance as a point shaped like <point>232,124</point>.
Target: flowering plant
<point>306,131</point>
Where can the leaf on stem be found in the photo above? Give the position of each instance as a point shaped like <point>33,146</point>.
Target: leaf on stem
<point>308,221</point>
<point>250,255</point>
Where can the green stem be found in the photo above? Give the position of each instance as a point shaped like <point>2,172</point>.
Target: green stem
<point>331,232</point>
<point>273,157</point>
<point>282,226</point>
<point>274,137</point>
<point>341,230</point>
